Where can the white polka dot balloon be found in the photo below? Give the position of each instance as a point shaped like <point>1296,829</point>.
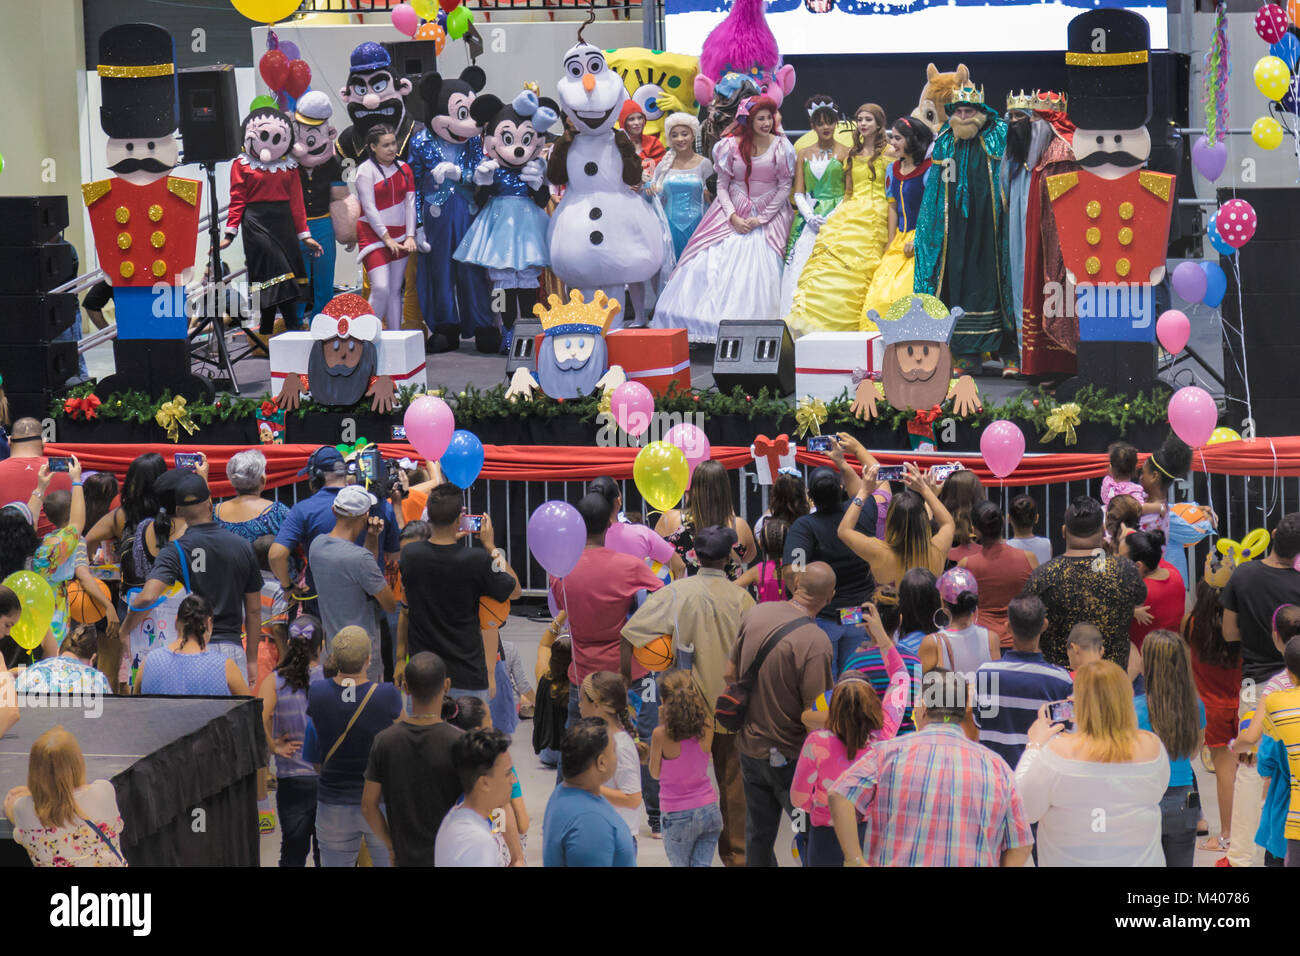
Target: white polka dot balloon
<point>1270,22</point>
<point>1236,222</point>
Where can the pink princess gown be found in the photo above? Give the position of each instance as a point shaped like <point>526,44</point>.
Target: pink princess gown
<point>721,273</point>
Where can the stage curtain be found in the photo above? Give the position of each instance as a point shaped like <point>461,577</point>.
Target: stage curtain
<point>1268,457</point>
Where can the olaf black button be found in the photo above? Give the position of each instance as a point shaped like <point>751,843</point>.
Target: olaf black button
<point>595,213</point>
<point>590,169</point>
<point>596,238</point>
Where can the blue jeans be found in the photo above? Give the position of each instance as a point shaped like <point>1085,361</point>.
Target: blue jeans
<point>691,836</point>
<point>845,639</point>
<point>295,804</point>
<point>235,652</point>
<point>458,692</point>
<point>340,830</point>
<point>1178,827</point>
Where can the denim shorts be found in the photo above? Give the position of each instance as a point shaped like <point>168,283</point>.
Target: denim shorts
<point>235,652</point>
<point>691,836</point>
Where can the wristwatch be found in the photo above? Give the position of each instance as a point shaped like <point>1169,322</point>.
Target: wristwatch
<point>860,502</point>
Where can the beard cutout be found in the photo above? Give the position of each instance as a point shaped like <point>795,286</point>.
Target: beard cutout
<point>340,385</point>
<point>967,128</point>
<point>917,393</point>
<point>389,112</point>
<point>572,378</point>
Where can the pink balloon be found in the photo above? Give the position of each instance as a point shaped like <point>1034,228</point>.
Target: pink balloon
<point>633,405</point>
<point>693,443</point>
<point>429,425</point>
<point>405,19</point>
<point>1270,22</point>
<point>1193,415</point>
<point>1002,444</point>
<point>1236,222</point>
<point>1173,330</point>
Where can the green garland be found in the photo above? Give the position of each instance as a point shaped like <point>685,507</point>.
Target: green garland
<point>1031,407</point>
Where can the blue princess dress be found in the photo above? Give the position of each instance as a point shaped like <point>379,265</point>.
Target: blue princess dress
<point>681,191</point>
<point>508,238</point>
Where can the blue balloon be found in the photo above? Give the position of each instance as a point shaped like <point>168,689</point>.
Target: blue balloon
<point>1217,240</point>
<point>463,459</point>
<point>1216,284</point>
<point>1287,50</point>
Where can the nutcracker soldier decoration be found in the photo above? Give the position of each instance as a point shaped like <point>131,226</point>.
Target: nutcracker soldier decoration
<point>145,222</point>
<point>1112,215</point>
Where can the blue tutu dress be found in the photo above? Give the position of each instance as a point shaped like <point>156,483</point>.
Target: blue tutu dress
<point>508,238</point>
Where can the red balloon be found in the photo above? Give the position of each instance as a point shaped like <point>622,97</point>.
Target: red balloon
<point>274,67</point>
<point>299,78</point>
<point>448,5</point>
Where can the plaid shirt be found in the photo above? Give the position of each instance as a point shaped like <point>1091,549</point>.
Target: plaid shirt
<point>935,798</point>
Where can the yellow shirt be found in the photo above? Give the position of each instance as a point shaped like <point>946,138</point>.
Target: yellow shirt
<point>1282,722</point>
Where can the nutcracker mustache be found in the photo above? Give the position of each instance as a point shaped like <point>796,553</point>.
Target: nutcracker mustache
<point>1120,158</point>
<point>132,165</point>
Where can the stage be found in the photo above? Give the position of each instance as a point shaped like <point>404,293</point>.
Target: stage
<point>184,768</point>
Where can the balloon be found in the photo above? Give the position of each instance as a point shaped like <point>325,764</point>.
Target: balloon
<point>1272,78</point>
<point>405,20</point>
<point>448,5</point>
<point>1002,444</point>
<point>1193,415</point>
<point>262,102</point>
<point>289,49</point>
<point>661,474</point>
<point>266,11</point>
<point>458,22</point>
<point>1287,50</point>
<point>1236,222</point>
<point>429,424</point>
<point>274,67</point>
<point>1221,435</point>
<point>1270,23</point>
<point>1216,284</point>
<point>692,441</point>
<point>299,78</point>
<point>1216,240</point>
<point>37,600</point>
<point>1189,281</point>
<point>431,31</point>
<point>1173,330</point>
<point>463,459</point>
<point>551,605</point>
<point>1209,158</point>
<point>2,164</point>
<point>427,9</point>
<point>556,536</point>
<point>632,404</point>
<point>1266,132</point>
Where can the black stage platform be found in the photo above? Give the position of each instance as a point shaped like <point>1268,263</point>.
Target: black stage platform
<point>168,758</point>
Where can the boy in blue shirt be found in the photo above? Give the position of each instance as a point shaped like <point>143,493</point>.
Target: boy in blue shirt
<point>582,828</point>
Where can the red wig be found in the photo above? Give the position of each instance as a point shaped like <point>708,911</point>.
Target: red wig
<point>746,133</point>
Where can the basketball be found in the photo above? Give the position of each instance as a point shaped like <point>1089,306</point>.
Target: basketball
<point>492,613</point>
<point>80,607</point>
<point>657,655</point>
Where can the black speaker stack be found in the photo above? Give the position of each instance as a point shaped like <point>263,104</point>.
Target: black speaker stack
<point>1270,302</point>
<point>32,262</point>
<point>411,60</point>
<point>754,354</point>
<point>209,114</point>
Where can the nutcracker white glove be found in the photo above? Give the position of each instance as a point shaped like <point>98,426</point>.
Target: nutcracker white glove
<point>446,171</point>
<point>485,173</point>
<point>533,174</point>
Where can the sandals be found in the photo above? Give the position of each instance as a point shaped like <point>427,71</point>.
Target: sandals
<point>1218,844</point>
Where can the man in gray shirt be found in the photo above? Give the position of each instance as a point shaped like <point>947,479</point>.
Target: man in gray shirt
<point>346,574</point>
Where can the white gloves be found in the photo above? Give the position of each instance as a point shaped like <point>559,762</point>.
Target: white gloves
<point>534,174</point>
<point>421,244</point>
<point>485,172</point>
<point>446,171</point>
<point>815,223</point>
<point>803,202</point>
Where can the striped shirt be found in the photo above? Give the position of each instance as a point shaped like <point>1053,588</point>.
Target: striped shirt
<point>1282,722</point>
<point>934,798</point>
<point>867,661</point>
<point>1008,693</point>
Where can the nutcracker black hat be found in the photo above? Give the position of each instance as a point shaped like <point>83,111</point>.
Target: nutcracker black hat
<point>1108,68</point>
<point>137,81</point>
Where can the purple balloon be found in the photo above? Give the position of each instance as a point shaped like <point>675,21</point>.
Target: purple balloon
<point>1208,158</point>
<point>1189,281</point>
<point>556,537</point>
<point>289,49</point>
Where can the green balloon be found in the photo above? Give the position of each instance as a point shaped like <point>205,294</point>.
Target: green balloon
<point>458,22</point>
<point>262,101</point>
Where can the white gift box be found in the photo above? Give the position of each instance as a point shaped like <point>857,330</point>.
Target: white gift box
<point>766,452</point>
<point>400,356</point>
<point>825,362</point>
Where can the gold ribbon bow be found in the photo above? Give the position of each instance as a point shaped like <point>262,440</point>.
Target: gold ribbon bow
<point>1061,421</point>
<point>810,415</point>
<point>173,417</point>
<point>604,405</point>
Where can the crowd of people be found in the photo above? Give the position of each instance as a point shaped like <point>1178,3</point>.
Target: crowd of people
<point>885,668</point>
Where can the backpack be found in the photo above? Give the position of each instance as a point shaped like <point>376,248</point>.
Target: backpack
<point>158,626</point>
<point>733,703</point>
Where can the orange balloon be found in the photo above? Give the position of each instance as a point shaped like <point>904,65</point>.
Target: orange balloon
<point>431,31</point>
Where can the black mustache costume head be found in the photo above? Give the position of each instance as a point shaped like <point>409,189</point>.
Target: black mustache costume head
<point>129,165</point>
<point>1117,158</point>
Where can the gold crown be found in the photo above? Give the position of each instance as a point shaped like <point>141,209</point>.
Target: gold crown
<point>1020,101</point>
<point>1048,101</point>
<point>969,94</point>
<point>577,315</point>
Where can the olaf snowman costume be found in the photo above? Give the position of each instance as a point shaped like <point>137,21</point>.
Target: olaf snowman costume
<point>603,235</point>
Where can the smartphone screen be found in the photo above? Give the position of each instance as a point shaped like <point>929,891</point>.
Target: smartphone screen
<point>471,523</point>
<point>399,433</point>
<point>942,473</point>
<point>189,461</point>
<point>821,444</point>
<point>1061,711</point>
<point>60,464</point>
<point>889,473</point>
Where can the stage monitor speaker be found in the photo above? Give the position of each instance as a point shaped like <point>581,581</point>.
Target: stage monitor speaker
<point>28,269</point>
<point>32,220</point>
<point>30,368</point>
<point>30,404</point>
<point>754,354</point>
<point>412,59</point>
<point>35,318</point>
<point>209,114</point>
<point>523,348</point>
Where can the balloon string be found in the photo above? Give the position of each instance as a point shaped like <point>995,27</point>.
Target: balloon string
<point>1241,332</point>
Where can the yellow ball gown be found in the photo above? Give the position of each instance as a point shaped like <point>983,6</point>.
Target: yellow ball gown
<point>849,247</point>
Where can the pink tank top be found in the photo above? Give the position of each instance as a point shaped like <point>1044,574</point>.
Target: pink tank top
<point>684,783</point>
<point>769,587</point>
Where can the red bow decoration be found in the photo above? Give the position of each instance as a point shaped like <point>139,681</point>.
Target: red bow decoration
<point>85,407</point>
<point>923,423</point>
<point>772,449</point>
<point>269,408</point>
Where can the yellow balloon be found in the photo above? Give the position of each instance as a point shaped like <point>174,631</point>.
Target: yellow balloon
<point>1223,433</point>
<point>426,9</point>
<point>37,600</point>
<point>661,474</point>
<point>266,11</point>
<point>1272,77</point>
<point>1266,132</point>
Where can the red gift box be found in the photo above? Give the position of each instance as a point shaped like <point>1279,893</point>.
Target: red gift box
<point>654,357</point>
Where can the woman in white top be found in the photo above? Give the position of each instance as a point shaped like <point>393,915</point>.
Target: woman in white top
<point>1095,793</point>
<point>962,645</point>
<point>58,818</point>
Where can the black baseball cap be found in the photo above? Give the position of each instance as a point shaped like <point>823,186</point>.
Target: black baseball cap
<point>714,542</point>
<point>182,487</point>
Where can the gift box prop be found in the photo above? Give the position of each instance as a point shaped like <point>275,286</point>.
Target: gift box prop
<point>654,357</point>
<point>345,357</point>
<point>828,364</point>
<point>771,455</point>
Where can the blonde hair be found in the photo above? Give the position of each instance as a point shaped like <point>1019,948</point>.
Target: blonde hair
<point>55,770</point>
<point>1103,711</point>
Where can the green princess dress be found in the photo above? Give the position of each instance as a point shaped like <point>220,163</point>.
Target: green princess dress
<point>823,180</point>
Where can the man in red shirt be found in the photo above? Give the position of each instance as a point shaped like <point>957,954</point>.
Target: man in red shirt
<point>19,471</point>
<point>599,594</point>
